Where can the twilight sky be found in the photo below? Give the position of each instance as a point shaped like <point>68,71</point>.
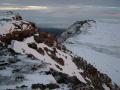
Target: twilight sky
<point>111,3</point>
<point>63,11</point>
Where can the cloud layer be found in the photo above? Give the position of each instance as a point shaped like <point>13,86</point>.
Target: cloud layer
<point>23,8</point>
<point>63,12</point>
<point>62,2</point>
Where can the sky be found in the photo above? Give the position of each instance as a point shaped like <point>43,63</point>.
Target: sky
<point>54,12</point>
<point>111,3</point>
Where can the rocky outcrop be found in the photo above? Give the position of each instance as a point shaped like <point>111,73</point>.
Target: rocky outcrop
<point>47,38</point>
<point>17,35</point>
<point>76,28</point>
<point>19,30</point>
<point>97,78</point>
<point>73,82</point>
<point>44,87</point>
<point>17,17</point>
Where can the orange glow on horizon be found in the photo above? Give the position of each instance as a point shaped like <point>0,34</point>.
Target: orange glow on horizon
<point>23,8</point>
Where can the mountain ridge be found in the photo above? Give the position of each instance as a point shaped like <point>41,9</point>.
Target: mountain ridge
<point>36,55</point>
<point>76,28</point>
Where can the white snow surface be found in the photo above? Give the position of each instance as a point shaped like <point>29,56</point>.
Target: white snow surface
<point>31,77</point>
<point>69,67</point>
<point>7,24</point>
<point>105,87</point>
<point>9,27</point>
<point>100,46</point>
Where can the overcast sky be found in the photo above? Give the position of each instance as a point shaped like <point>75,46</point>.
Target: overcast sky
<point>59,11</point>
<point>111,3</point>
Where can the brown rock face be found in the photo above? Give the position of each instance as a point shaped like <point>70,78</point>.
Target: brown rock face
<point>41,51</point>
<point>18,30</point>
<point>54,57</point>
<point>17,35</point>
<point>46,38</point>
<point>97,78</point>
<point>32,45</point>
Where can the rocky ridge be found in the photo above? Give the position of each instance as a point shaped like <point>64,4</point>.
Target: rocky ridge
<point>36,60</point>
<point>77,28</point>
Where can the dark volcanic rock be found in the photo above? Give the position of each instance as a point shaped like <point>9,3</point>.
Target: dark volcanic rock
<point>41,51</point>
<point>32,45</point>
<point>44,87</point>
<point>74,83</point>
<point>96,77</point>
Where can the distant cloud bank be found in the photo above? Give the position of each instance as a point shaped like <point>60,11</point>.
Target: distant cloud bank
<point>23,7</point>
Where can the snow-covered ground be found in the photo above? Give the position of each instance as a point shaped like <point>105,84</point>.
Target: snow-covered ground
<point>100,46</point>
<point>69,67</point>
